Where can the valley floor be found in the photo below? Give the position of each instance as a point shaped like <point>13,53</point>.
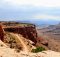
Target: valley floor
<point>53,44</point>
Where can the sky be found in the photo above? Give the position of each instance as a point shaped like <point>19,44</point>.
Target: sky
<point>29,10</point>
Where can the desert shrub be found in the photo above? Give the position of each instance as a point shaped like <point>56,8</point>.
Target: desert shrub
<point>38,49</point>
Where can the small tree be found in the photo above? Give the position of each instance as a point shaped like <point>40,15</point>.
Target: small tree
<point>38,49</point>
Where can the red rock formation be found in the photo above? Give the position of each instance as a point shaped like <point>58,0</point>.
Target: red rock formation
<point>42,41</point>
<point>27,32</point>
<point>1,33</point>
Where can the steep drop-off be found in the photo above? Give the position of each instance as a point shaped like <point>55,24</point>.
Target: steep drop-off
<point>28,32</point>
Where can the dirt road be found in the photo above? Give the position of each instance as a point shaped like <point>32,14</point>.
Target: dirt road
<point>18,39</point>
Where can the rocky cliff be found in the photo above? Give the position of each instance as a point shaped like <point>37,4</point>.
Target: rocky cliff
<point>1,33</point>
<point>18,42</point>
<point>28,32</point>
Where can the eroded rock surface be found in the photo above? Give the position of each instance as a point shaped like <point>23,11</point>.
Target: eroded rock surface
<point>28,32</point>
<point>1,33</point>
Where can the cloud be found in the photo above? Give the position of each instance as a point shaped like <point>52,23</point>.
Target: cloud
<point>44,3</point>
<point>30,9</point>
<point>46,17</point>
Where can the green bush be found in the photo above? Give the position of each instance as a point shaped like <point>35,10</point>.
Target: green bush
<point>38,49</point>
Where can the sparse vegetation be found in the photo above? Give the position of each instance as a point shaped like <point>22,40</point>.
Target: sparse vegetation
<point>38,49</point>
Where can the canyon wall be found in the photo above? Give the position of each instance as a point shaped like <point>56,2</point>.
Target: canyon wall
<point>28,32</point>
<point>1,33</point>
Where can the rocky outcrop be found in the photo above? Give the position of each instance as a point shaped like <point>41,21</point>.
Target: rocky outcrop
<point>7,52</point>
<point>1,33</point>
<point>28,32</point>
<point>42,41</point>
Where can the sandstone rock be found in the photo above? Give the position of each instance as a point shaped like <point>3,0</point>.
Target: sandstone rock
<point>27,32</point>
<point>7,52</point>
<point>1,33</point>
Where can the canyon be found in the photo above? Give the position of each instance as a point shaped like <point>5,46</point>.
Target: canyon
<point>21,38</point>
